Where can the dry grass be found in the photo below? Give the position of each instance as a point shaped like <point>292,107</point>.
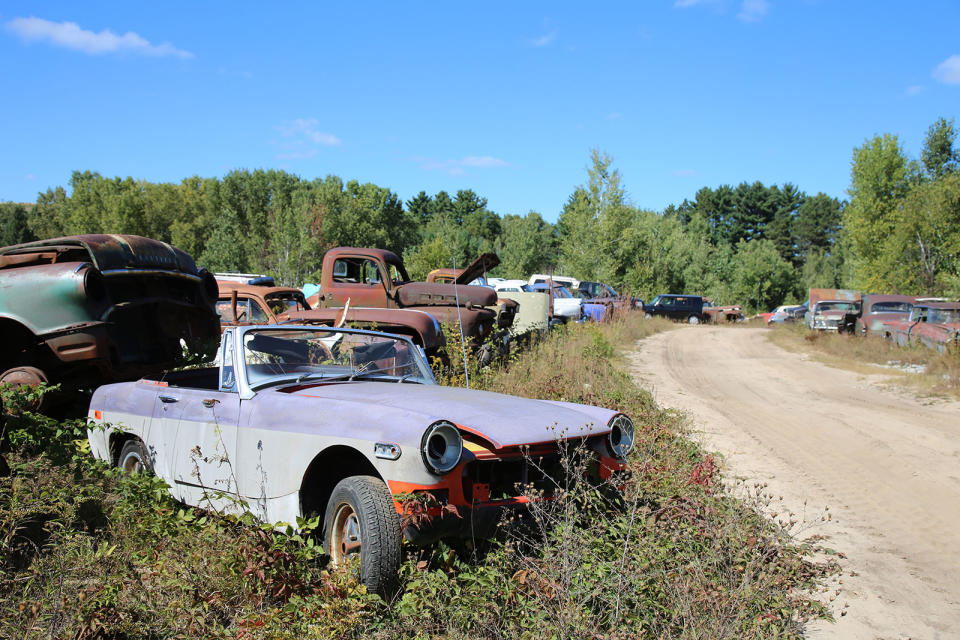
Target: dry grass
<point>918,368</point>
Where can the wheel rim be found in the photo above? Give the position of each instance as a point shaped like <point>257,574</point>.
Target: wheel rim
<point>346,537</point>
<point>132,463</point>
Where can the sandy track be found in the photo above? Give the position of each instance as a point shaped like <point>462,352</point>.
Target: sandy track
<point>887,464</point>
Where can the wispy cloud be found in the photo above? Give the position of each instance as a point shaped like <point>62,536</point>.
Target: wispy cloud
<point>30,176</point>
<point>948,71</point>
<point>69,35</point>
<point>682,4</point>
<point>616,115</point>
<point>307,129</point>
<point>302,139</point>
<point>753,10</point>
<point>913,90</point>
<point>684,173</point>
<point>544,40</point>
<point>458,167</point>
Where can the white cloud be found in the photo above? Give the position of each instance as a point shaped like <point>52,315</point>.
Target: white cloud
<point>753,10</point>
<point>683,4</point>
<point>544,40</point>
<point>70,36</point>
<point>302,139</point>
<point>306,129</point>
<point>948,71</point>
<point>458,167</point>
<point>616,115</point>
<point>913,90</point>
<point>685,173</point>
<point>30,176</point>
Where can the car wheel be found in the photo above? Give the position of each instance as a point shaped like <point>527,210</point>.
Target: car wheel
<point>693,320</point>
<point>28,377</point>
<point>648,315</point>
<point>134,457</point>
<point>361,524</point>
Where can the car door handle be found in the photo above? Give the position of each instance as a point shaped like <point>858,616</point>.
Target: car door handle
<point>210,402</point>
<point>168,399</point>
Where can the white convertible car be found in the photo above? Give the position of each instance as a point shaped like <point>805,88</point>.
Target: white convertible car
<point>299,420</point>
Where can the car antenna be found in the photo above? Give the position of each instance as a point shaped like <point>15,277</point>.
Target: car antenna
<point>463,343</point>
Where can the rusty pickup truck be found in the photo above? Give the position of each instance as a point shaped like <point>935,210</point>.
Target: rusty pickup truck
<point>377,278</point>
<point>255,300</point>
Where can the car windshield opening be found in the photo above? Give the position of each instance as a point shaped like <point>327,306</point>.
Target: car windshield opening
<point>278,356</point>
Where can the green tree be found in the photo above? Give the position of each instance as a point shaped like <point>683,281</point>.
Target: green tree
<point>761,277</point>
<point>881,176</point>
<point>527,245</point>
<point>14,227</point>
<point>592,222</point>
<point>938,155</point>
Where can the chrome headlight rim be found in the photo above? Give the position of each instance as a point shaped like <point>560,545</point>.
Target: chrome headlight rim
<point>621,437</point>
<point>441,447</point>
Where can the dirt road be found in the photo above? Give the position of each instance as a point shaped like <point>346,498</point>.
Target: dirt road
<point>886,463</point>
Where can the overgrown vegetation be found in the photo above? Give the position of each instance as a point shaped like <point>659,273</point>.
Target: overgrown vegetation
<point>87,552</point>
<point>916,366</point>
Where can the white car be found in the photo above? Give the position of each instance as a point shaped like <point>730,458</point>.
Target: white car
<point>564,281</point>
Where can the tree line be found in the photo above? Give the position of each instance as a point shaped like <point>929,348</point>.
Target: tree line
<point>753,244</point>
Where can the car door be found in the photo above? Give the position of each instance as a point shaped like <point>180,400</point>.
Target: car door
<point>206,440</point>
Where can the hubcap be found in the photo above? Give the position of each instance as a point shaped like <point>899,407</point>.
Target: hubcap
<point>346,538</point>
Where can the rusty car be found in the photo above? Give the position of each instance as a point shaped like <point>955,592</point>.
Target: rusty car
<point>83,310</point>
<point>721,313</point>
<point>832,315</point>
<point>348,425</point>
<point>877,309</point>
<point>255,299</point>
<point>935,325</point>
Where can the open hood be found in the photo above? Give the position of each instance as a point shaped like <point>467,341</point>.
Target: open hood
<point>485,262</point>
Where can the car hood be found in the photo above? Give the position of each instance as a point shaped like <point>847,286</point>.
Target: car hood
<point>434,293</point>
<point>567,306</point>
<point>503,420</point>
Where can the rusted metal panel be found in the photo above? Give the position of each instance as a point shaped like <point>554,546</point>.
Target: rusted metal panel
<point>99,308</point>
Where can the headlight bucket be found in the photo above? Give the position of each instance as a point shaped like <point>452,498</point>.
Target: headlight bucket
<point>621,436</point>
<point>441,447</point>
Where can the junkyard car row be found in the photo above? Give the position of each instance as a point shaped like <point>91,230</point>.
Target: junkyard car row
<point>904,320</point>
<point>327,406</point>
<point>298,416</point>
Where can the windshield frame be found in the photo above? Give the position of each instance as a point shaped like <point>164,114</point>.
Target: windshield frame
<point>248,389</point>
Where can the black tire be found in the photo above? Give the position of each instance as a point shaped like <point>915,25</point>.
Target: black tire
<point>360,519</point>
<point>693,319</point>
<point>134,457</point>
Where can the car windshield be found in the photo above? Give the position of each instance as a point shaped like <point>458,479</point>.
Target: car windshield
<point>561,292</point>
<point>297,354</point>
<point>944,316</point>
<point>288,301</point>
<point>837,306</point>
<point>656,301</point>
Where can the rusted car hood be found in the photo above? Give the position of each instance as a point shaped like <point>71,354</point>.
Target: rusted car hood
<point>502,419</point>
<point>111,252</point>
<point>484,262</point>
<point>430,293</point>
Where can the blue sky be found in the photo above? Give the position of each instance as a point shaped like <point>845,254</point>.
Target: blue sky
<point>506,99</point>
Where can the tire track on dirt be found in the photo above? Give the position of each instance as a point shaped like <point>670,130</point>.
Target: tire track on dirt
<point>884,462</point>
